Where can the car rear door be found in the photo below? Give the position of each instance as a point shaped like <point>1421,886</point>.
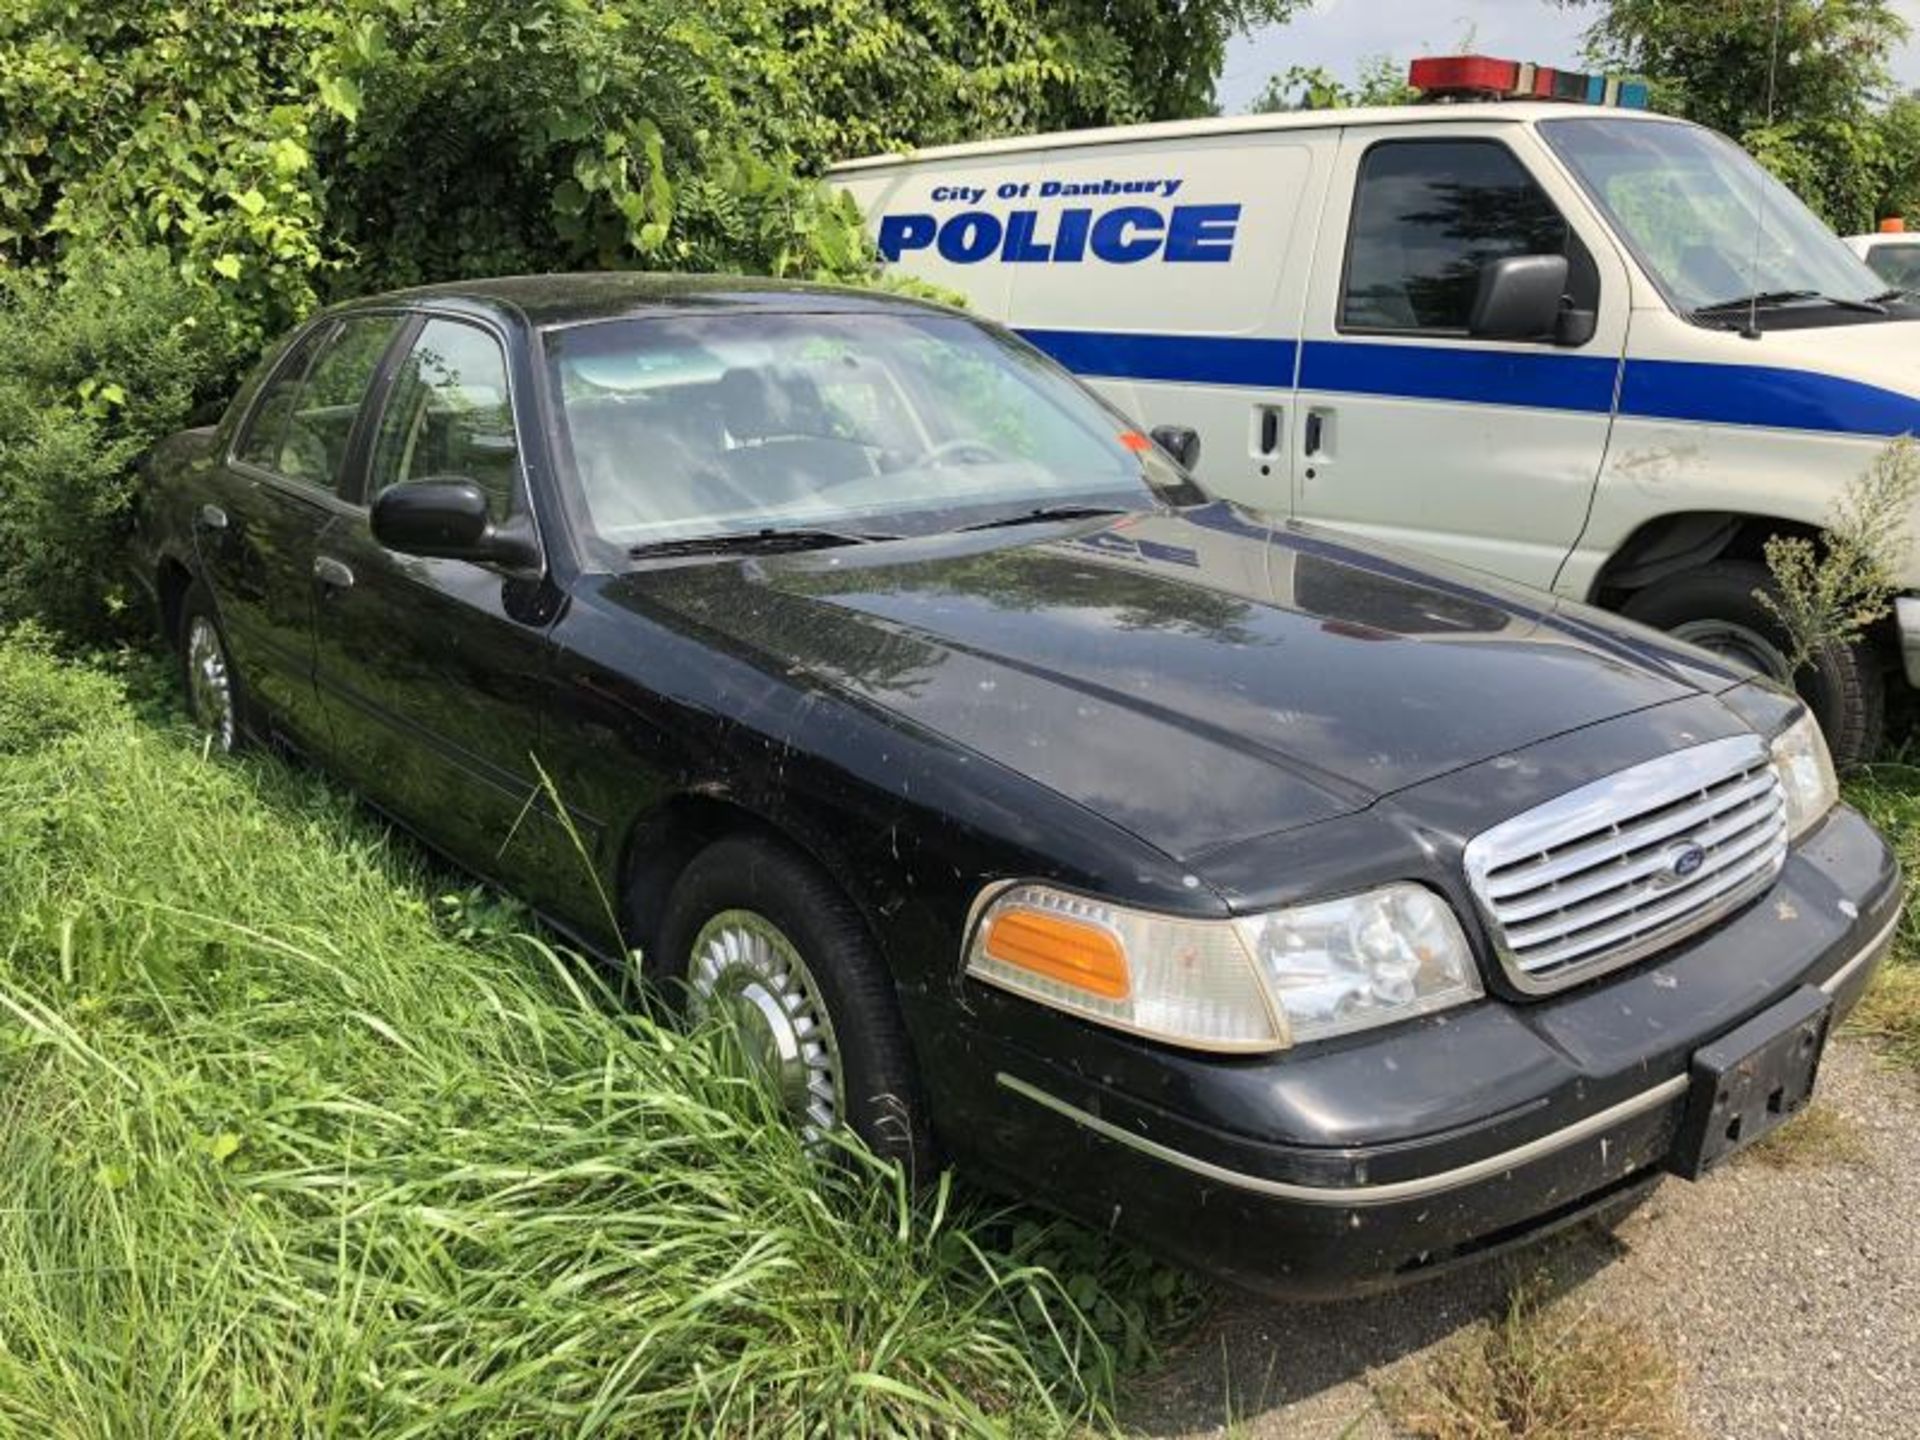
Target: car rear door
<point>432,672</point>
<point>278,489</point>
<point>1412,431</point>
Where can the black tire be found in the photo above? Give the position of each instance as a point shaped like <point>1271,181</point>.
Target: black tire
<point>879,1085</point>
<point>197,611</point>
<point>1842,685</point>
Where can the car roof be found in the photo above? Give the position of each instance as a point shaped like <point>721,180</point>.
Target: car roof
<point>1489,112</point>
<point>567,299</point>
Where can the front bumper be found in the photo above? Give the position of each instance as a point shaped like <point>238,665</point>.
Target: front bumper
<point>1591,1092</point>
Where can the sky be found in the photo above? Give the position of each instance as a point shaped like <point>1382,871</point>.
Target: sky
<point>1342,34</point>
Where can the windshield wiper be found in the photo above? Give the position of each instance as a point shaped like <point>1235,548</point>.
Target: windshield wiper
<point>752,542</point>
<point>1042,514</point>
<point>1891,297</point>
<point>1769,299</point>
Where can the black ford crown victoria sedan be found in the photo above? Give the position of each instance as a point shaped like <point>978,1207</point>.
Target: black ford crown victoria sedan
<point>1316,917</point>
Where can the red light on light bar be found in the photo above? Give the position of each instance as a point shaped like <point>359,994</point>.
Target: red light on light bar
<point>1464,72</point>
<point>1459,77</point>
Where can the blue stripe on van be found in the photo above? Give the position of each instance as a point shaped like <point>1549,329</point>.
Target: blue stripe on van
<point>1193,359</point>
<point>1543,381</point>
<point>1763,395</point>
<point>1757,395</point>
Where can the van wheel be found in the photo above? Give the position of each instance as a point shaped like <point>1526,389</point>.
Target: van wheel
<point>215,699</point>
<point>757,937</point>
<point>1715,607</point>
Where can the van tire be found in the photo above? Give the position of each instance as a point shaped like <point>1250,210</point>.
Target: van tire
<point>1842,684</point>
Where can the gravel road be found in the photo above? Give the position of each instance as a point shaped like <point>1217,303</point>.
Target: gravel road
<point>1789,1296</point>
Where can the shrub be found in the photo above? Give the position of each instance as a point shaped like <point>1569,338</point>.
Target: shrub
<point>281,1157</point>
<point>95,369</point>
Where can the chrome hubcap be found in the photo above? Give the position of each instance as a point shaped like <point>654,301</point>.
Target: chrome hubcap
<point>209,683</point>
<point>1737,642</point>
<point>746,973</point>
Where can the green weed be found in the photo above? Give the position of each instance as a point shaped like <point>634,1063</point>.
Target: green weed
<point>291,1144</point>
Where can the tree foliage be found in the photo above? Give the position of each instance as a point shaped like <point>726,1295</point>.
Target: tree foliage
<point>234,163</point>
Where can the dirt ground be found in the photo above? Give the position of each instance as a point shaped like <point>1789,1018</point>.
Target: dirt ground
<point>1789,1294</point>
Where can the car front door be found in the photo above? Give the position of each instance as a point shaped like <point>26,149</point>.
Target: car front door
<point>278,490</point>
<point>1412,430</point>
<point>431,671</point>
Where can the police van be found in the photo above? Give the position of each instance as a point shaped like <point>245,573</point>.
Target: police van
<point>1547,335</point>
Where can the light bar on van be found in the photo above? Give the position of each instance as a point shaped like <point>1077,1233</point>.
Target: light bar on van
<point>1479,77</point>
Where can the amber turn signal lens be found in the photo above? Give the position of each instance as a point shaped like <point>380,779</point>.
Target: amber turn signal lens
<point>1084,956</point>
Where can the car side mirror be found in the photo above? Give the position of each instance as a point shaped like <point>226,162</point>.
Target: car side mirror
<point>447,519</point>
<point>1182,442</point>
<point>1520,298</point>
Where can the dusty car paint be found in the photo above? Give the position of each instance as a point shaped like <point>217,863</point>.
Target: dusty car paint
<point>1190,708</point>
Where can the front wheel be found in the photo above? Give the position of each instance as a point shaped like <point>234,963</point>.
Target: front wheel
<point>1716,608</point>
<point>758,938</point>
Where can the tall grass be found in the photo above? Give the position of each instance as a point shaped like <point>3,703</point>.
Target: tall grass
<point>1888,793</point>
<point>280,1157</point>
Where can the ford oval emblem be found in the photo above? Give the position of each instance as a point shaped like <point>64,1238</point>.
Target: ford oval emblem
<point>1684,862</point>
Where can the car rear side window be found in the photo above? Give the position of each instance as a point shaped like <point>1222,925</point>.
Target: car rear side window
<point>448,416</point>
<point>303,423</point>
<point>1428,215</point>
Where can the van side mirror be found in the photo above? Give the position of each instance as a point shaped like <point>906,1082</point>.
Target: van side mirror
<point>1520,299</point>
<point>1182,442</point>
<point>447,518</point>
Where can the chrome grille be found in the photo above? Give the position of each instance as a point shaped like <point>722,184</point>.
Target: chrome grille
<point>1618,869</point>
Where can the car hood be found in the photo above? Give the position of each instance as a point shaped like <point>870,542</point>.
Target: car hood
<point>1198,677</point>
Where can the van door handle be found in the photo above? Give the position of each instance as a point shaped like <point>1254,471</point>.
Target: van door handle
<point>1269,431</point>
<point>331,573</point>
<point>210,517</point>
<point>1316,425</point>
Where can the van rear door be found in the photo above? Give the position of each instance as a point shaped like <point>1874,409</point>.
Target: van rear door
<point>1413,430</point>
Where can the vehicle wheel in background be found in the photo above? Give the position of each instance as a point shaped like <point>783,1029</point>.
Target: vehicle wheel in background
<point>1715,607</point>
<point>755,933</point>
<point>214,696</point>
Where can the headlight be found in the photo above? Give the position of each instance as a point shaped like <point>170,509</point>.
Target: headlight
<point>1261,982</point>
<point>1805,769</point>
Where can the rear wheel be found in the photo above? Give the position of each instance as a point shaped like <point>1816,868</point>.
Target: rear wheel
<point>214,695</point>
<point>1715,607</point>
<point>757,937</point>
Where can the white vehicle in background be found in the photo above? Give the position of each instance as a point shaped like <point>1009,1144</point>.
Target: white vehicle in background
<point>1893,255</point>
<point>1591,349</point>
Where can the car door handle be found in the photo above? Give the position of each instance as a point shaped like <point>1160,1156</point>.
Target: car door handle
<point>210,517</point>
<point>1269,430</point>
<point>331,573</point>
<point>1316,428</point>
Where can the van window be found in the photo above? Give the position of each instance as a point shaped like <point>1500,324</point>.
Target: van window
<point>1710,225</point>
<point>1427,215</point>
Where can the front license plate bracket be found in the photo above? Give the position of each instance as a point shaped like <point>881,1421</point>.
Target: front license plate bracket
<point>1751,1081</point>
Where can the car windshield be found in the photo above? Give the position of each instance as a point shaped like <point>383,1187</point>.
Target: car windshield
<point>1898,264</point>
<point>1711,225</point>
<point>686,427</point>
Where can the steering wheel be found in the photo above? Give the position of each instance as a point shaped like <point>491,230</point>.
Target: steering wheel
<point>967,445</point>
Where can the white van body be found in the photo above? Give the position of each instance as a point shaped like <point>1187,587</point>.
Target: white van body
<point>1238,276</point>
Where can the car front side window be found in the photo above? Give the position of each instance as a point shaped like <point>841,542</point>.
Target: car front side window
<point>303,423</point>
<point>449,415</point>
